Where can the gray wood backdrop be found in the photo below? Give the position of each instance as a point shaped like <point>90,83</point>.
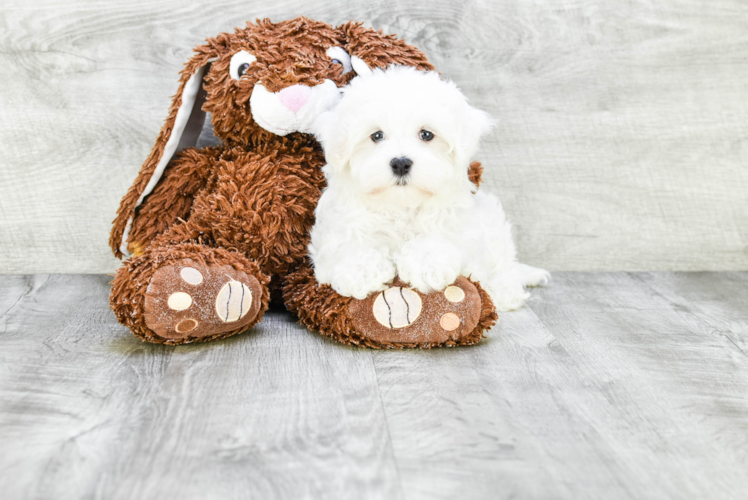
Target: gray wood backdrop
<point>622,141</point>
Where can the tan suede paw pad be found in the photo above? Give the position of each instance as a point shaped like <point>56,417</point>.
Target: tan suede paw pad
<point>400,314</point>
<point>189,299</point>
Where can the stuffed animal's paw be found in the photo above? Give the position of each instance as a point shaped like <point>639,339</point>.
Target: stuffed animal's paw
<point>401,315</point>
<point>192,300</point>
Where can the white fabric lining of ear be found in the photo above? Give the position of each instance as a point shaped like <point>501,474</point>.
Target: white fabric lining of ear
<point>189,96</point>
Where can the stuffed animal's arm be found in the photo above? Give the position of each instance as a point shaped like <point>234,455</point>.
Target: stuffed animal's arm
<point>170,200</point>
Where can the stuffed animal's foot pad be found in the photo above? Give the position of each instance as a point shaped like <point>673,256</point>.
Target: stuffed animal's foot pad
<point>189,299</point>
<point>397,307</point>
<point>402,315</point>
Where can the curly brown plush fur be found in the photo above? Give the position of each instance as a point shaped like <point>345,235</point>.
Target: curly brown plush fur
<point>248,204</point>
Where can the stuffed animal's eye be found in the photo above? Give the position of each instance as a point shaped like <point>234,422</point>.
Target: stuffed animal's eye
<point>240,63</point>
<point>425,135</point>
<point>339,56</point>
<point>377,136</point>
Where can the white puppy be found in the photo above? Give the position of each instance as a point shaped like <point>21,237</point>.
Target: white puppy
<point>399,201</point>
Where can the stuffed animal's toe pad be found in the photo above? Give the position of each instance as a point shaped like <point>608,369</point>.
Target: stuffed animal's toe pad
<point>188,299</point>
<point>403,315</point>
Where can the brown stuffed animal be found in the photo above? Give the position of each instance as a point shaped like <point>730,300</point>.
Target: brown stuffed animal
<point>214,231</point>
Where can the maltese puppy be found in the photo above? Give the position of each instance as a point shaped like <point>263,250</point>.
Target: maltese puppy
<point>399,201</point>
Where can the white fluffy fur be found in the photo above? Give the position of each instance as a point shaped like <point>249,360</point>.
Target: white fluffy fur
<point>429,231</point>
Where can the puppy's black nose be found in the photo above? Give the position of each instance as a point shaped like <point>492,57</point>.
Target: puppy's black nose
<point>401,166</point>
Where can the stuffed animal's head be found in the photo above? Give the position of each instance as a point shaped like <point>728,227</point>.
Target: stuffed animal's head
<point>275,78</point>
<point>267,79</point>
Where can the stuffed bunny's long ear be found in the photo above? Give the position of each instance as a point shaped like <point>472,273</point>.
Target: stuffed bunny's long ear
<point>181,130</point>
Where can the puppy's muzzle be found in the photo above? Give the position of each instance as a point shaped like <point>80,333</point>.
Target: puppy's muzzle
<point>401,166</point>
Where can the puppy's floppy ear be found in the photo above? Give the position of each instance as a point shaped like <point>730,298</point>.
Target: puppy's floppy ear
<point>473,125</point>
<point>332,135</point>
<point>181,130</point>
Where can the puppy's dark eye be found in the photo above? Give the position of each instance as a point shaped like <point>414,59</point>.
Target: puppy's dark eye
<point>336,61</point>
<point>425,135</point>
<point>377,136</point>
<point>243,69</point>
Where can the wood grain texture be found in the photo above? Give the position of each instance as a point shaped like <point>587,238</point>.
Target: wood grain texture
<point>89,411</point>
<point>621,144</point>
<point>609,385</point>
<point>603,388</point>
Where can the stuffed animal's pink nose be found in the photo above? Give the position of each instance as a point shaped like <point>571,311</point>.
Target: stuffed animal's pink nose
<point>295,96</point>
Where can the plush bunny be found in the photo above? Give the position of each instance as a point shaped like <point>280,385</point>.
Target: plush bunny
<point>212,233</point>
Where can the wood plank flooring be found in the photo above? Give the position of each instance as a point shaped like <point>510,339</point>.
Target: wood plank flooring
<point>608,385</point>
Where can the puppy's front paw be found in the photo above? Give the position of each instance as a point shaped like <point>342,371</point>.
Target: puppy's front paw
<point>361,274</point>
<point>430,270</point>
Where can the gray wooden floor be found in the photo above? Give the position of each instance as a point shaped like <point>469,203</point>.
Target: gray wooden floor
<point>609,385</point>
